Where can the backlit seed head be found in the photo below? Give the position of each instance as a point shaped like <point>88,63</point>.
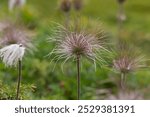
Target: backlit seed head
<point>65,5</point>
<point>11,54</point>
<point>128,60</point>
<point>77,4</point>
<point>71,44</point>
<point>12,34</point>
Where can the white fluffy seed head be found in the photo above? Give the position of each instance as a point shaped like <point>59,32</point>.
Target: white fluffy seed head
<point>11,54</point>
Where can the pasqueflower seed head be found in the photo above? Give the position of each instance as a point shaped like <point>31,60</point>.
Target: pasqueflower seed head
<point>128,60</point>
<point>12,34</point>
<point>11,54</point>
<point>70,44</point>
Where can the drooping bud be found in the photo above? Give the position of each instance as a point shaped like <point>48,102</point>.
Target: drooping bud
<point>121,1</point>
<point>77,4</point>
<point>65,5</point>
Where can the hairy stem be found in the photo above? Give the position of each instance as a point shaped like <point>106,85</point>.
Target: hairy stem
<point>123,81</point>
<point>78,77</point>
<point>19,78</point>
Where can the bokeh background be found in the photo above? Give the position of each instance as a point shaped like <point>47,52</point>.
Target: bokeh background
<point>41,82</point>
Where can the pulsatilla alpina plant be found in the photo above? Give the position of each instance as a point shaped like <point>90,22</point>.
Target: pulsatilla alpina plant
<point>76,44</point>
<point>11,55</point>
<point>127,60</point>
<point>13,41</point>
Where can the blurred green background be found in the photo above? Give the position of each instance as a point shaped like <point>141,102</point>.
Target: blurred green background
<point>41,82</point>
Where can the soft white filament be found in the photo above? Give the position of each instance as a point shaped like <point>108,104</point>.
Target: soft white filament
<point>11,54</point>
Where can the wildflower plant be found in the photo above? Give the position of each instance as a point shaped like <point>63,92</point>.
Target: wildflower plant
<point>127,60</point>
<point>13,42</point>
<point>11,56</point>
<point>72,44</point>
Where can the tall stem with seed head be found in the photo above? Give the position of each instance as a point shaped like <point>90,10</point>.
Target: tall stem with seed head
<point>19,78</point>
<point>123,81</point>
<point>78,77</point>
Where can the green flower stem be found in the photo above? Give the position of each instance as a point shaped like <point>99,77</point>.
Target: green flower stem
<point>78,77</point>
<point>123,81</point>
<point>19,78</point>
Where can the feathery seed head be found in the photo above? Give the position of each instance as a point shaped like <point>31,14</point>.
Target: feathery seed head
<point>128,60</point>
<point>12,34</point>
<point>71,44</point>
<point>78,44</point>
<point>11,54</point>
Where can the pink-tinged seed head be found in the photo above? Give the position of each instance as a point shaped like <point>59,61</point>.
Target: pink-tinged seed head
<point>73,43</point>
<point>13,34</point>
<point>128,60</point>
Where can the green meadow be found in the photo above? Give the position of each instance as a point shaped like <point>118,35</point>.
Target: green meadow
<point>40,80</point>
